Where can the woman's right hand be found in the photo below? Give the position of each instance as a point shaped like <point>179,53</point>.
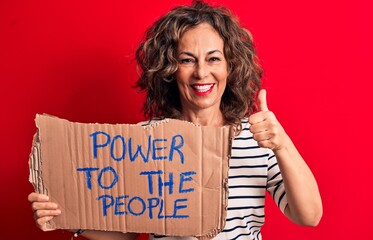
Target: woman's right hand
<point>43,209</point>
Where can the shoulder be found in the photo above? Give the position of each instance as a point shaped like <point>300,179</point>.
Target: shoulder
<point>245,128</point>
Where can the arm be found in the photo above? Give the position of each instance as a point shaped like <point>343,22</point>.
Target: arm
<point>44,211</point>
<point>304,201</point>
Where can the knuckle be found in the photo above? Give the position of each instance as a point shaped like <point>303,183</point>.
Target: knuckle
<point>39,222</point>
<point>274,132</point>
<point>39,213</point>
<point>255,137</point>
<point>34,206</point>
<point>30,197</point>
<point>250,119</point>
<point>252,129</point>
<point>272,124</point>
<point>270,114</point>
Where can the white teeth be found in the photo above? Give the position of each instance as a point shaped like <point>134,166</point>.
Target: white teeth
<point>202,88</point>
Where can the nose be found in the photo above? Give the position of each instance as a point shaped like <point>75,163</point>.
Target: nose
<point>201,70</point>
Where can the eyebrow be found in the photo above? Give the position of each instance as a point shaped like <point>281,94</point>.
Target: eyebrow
<point>208,53</point>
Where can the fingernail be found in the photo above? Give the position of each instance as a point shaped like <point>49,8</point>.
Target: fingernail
<point>58,211</point>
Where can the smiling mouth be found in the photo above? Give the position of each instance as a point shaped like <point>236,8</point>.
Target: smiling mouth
<point>202,88</point>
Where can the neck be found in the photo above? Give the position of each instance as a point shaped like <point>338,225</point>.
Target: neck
<point>204,118</point>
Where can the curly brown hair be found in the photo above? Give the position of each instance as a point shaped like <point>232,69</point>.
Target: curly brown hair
<point>156,58</point>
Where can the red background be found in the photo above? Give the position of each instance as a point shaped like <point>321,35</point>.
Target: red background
<point>73,59</point>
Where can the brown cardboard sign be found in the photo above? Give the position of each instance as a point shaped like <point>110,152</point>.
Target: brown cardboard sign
<point>168,178</point>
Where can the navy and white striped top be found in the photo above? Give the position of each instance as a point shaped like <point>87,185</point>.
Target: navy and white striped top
<point>252,171</point>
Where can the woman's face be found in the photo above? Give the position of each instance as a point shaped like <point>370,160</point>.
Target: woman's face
<point>202,69</point>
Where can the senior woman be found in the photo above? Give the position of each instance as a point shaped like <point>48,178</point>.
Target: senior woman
<point>199,65</point>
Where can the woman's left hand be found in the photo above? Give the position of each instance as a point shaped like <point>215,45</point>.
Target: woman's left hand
<point>304,202</point>
<point>266,130</point>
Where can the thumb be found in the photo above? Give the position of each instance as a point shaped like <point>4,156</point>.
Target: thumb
<point>262,100</point>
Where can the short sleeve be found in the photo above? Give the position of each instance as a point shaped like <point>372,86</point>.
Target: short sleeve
<point>275,183</point>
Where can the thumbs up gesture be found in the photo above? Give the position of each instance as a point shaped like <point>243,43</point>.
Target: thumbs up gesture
<point>266,130</point>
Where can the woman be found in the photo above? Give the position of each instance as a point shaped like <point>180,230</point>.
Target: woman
<point>198,64</point>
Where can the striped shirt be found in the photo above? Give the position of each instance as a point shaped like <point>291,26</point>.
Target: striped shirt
<point>252,171</point>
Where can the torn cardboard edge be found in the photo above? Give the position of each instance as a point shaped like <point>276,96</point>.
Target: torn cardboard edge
<point>167,178</point>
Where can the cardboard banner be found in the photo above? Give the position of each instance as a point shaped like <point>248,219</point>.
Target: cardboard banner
<point>167,178</point>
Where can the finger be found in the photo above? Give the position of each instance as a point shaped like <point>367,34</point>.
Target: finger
<point>257,118</point>
<point>261,136</point>
<point>37,197</point>
<point>44,206</point>
<point>46,213</point>
<point>262,100</point>
<point>42,222</point>
<point>258,127</point>
<point>267,144</point>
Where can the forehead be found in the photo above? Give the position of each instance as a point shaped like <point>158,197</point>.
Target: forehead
<point>202,36</point>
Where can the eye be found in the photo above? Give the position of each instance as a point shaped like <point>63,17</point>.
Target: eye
<point>187,60</point>
<point>214,59</point>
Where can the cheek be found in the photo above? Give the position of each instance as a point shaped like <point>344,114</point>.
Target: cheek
<point>222,77</point>
<point>221,73</point>
<point>182,86</point>
<point>180,77</point>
